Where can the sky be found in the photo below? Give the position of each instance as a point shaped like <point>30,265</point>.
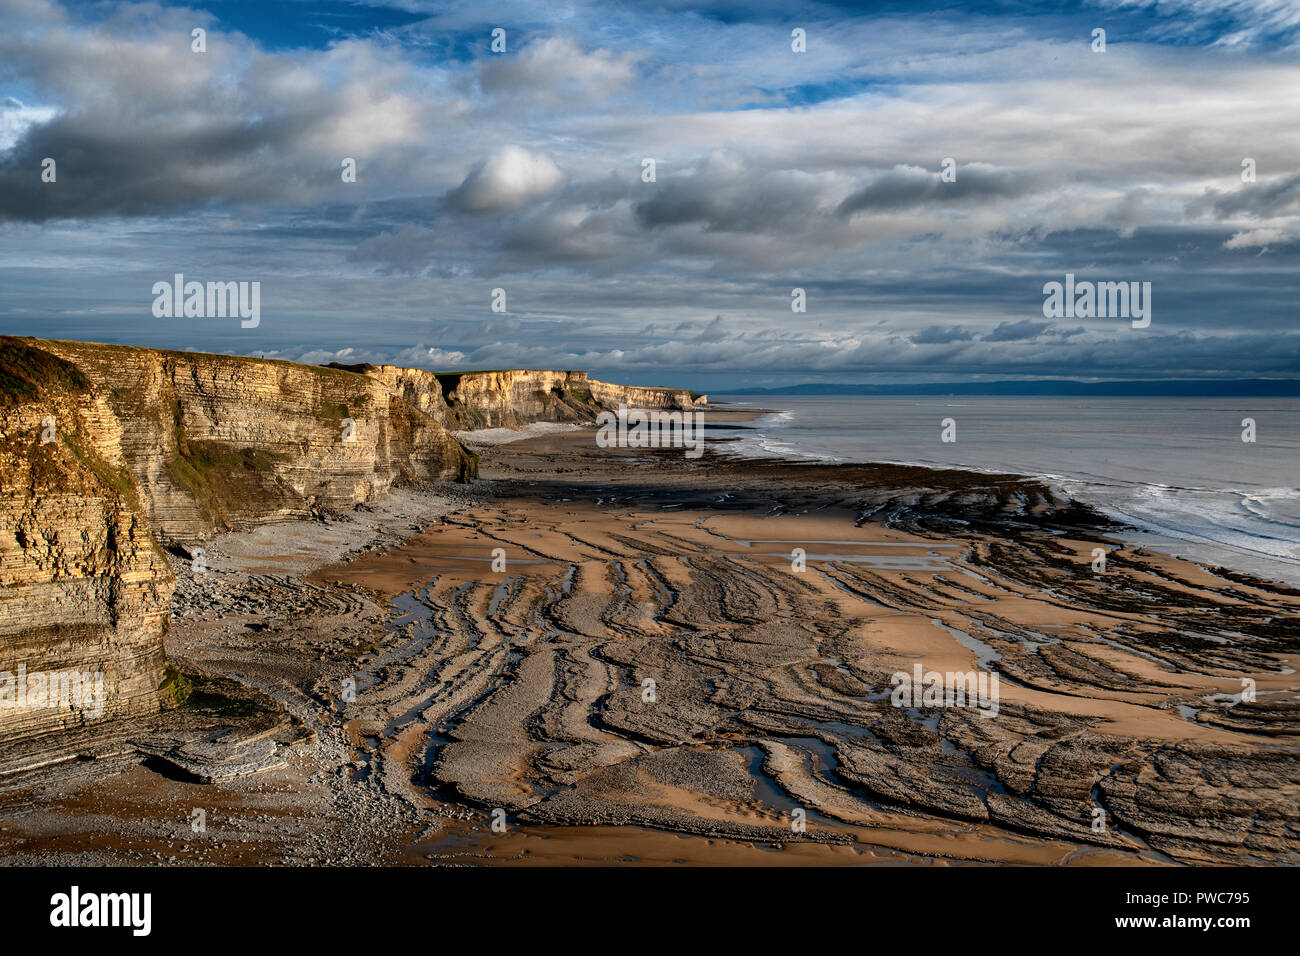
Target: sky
<point>524,170</point>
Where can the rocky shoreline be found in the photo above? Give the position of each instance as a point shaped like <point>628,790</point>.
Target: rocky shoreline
<point>519,696</point>
<point>111,453</point>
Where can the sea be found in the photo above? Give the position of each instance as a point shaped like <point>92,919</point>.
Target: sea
<point>1175,470</point>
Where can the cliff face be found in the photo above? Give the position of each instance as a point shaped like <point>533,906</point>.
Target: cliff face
<point>639,396</point>
<point>415,386</point>
<point>219,442</point>
<point>83,586</point>
<point>107,450</point>
<point>514,397</point>
<point>511,398</point>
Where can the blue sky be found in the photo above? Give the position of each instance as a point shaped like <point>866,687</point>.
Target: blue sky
<point>522,171</point>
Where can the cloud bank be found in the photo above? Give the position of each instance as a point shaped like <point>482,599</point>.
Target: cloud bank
<point>527,170</point>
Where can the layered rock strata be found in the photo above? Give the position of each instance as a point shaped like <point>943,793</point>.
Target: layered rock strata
<point>510,398</point>
<point>110,453</point>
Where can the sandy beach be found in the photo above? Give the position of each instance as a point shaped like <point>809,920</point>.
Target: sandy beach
<point>598,656</point>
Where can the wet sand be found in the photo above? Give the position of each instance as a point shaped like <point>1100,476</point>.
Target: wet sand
<point>767,735</point>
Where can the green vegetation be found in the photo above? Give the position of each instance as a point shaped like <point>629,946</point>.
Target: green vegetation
<point>103,350</point>
<point>334,410</point>
<point>119,479</point>
<point>253,359</point>
<point>217,474</point>
<point>221,697</point>
<point>214,473</point>
<point>26,371</point>
<point>175,687</point>
<point>200,464</point>
<point>468,464</point>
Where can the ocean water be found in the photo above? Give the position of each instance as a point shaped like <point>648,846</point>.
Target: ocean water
<point>1175,469</point>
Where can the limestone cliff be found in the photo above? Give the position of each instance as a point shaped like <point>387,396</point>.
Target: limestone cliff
<point>221,442</point>
<point>83,586</point>
<point>640,396</point>
<point>108,452</point>
<point>512,398</point>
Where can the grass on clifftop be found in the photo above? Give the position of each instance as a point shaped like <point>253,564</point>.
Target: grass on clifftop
<point>30,374</point>
<point>26,371</point>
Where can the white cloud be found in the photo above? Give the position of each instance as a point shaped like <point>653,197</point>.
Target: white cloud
<point>435,359</point>
<point>555,69</point>
<point>16,118</point>
<point>1255,237</point>
<point>508,179</point>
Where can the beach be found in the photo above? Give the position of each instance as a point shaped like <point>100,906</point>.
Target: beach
<point>605,655</point>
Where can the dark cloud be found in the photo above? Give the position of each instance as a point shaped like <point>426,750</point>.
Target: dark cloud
<point>1016,331</point>
<point>727,193</point>
<point>907,186</point>
<point>941,335</point>
<point>1260,199</point>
